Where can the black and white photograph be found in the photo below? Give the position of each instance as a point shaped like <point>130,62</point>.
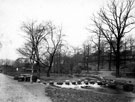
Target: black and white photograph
<point>67,50</point>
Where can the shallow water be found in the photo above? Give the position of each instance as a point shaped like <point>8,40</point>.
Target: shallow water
<point>98,88</point>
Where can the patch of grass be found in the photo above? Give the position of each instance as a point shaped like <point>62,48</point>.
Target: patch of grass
<point>57,78</point>
<point>52,78</point>
<point>71,95</point>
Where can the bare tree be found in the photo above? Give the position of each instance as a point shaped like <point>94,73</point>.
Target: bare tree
<point>98,45</point>
<point>34,36</point>
<point>52,42</point>
<point>115,20</point>
<point>86,53</point>
<point>110,53</point>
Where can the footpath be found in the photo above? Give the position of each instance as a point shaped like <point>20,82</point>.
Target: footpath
<point>13,91</point>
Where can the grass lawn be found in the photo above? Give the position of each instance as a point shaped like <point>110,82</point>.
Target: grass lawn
<point>71,95</point>
<point>57,77</point>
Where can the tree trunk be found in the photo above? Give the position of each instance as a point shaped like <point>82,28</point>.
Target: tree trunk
<point>32,72</point>
<point>102,61</point>
<point>38,68</point>
<point>117,66</point>
<point>98,60</point>
<point>118,59</point>
<point>48,71</point>
<point>99,51</point>
<point>87,66</point>
<point>71,68</point>
<point>131,57</point>
<point>50,65</point>
<point>110,59</point>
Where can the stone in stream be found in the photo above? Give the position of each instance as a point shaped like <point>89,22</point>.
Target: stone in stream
<point>99,82</point>
<point>79,82</point>
<point>67,83</point>
<point>59,83</point>
<point>112,85</point>
<point>92,82</point>
<point>74,83</point>
<point>51,83</point>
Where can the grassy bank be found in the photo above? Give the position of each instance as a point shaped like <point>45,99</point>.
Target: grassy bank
<point>71,95</point>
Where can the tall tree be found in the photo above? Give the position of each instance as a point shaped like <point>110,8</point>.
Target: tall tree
<point>34,36</point>
<point>110,55</point>
<point>115,20</point>
<point>86,54</point>
<point>98,45</point>
<point>52,42</point>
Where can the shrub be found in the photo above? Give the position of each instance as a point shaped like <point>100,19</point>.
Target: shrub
<point>34,78</point>
<point>128,87</point>
<point>112,85</point>
<point>77,69</point>
<point>78,75</point>
<point>28,79</point>
<point>20,79</point>
<point>16,77</point>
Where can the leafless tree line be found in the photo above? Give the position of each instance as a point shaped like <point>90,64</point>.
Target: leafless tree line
<point>111,24</point>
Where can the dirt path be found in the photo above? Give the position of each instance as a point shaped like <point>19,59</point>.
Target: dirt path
<point>12,91</point>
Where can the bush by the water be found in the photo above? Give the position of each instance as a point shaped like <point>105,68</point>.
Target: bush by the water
<point>128,87</point>
<point>34,78</point>
<point>16,77</point>
<point>112,85</point>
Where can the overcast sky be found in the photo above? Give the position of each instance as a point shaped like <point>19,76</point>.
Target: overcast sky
<point>73,15</point>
